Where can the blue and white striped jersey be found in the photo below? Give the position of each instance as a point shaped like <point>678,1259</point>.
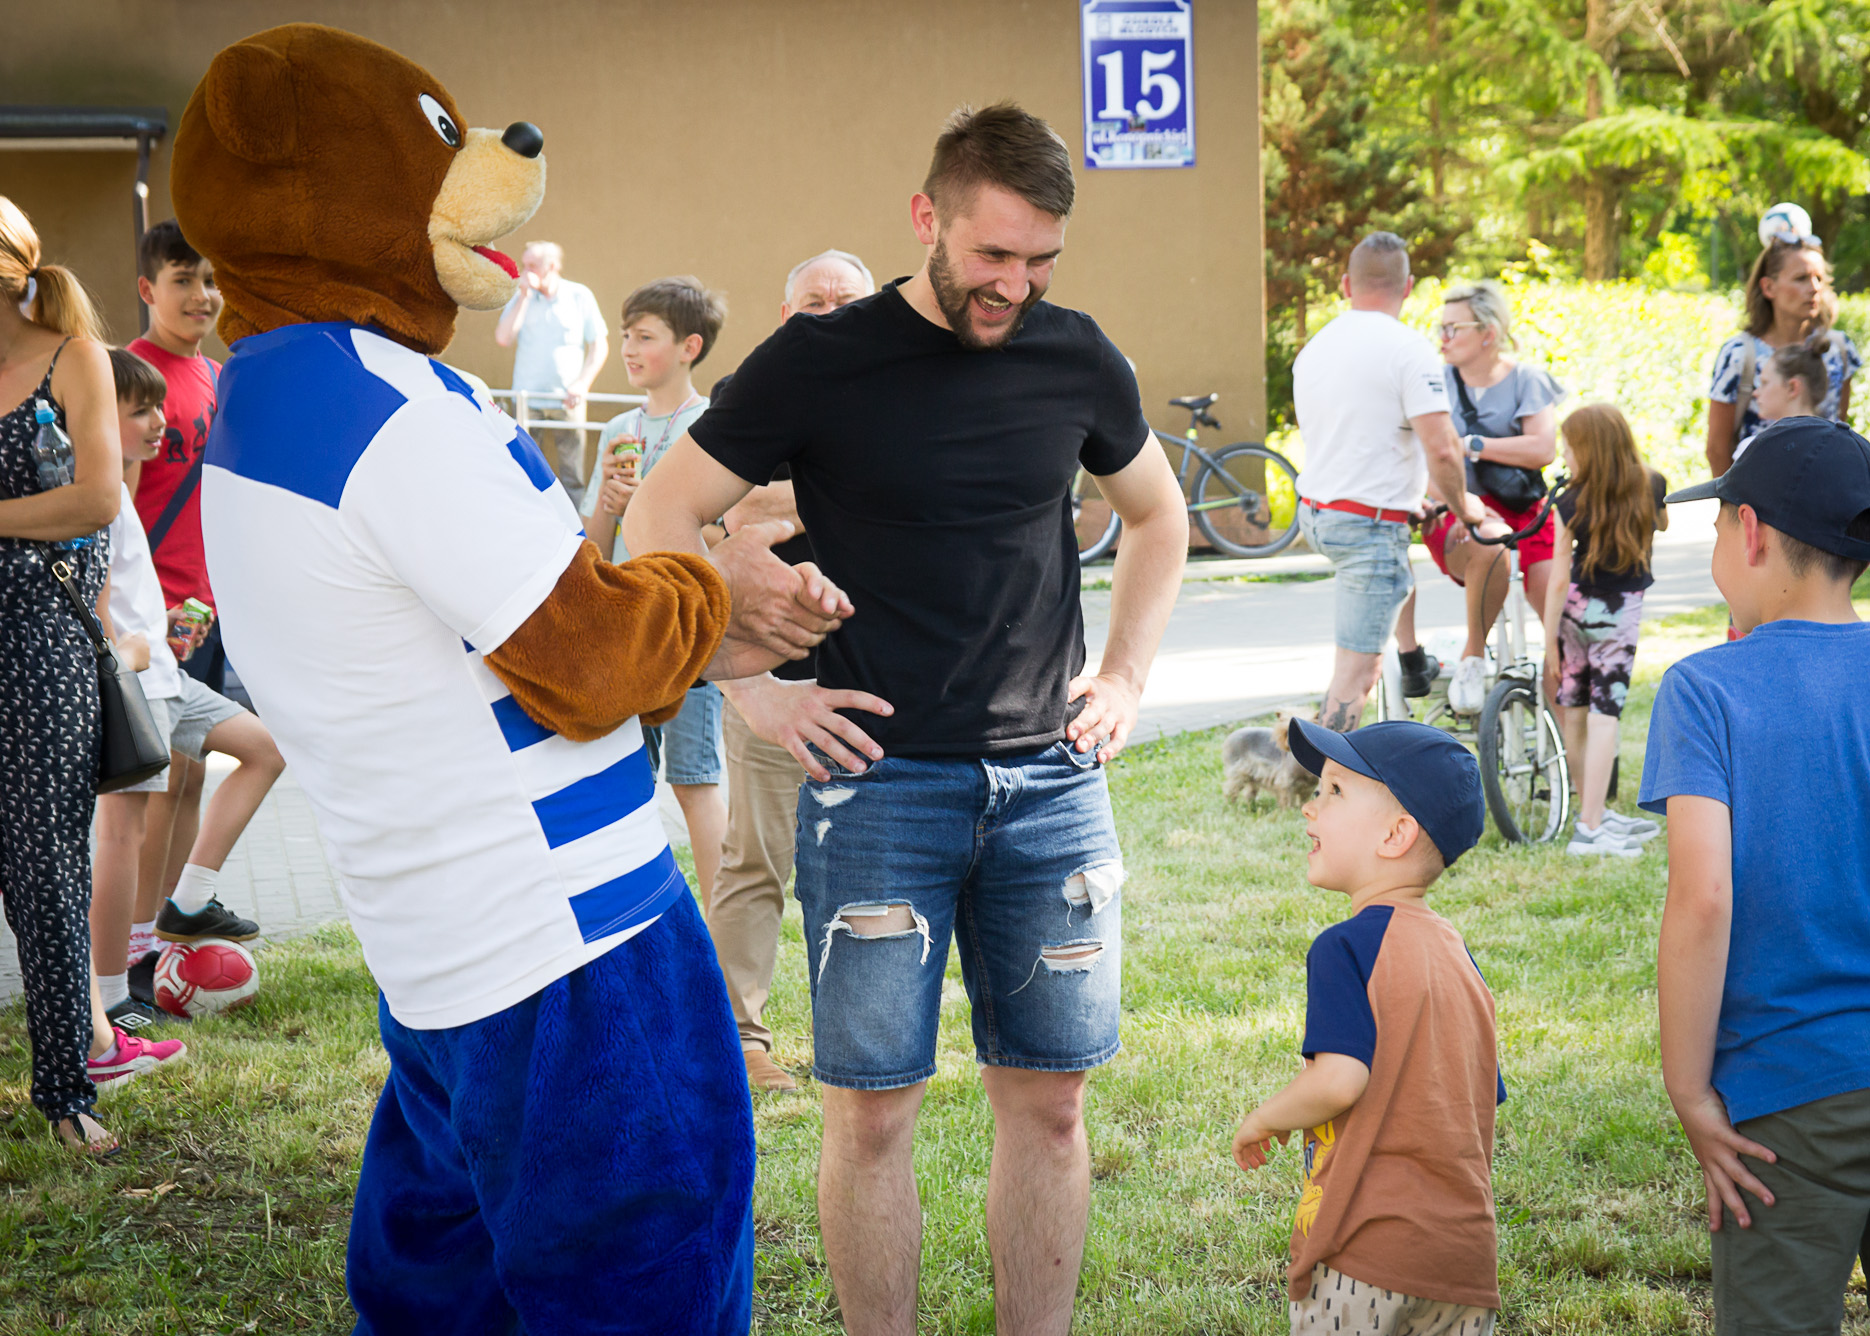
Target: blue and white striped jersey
<point>372,529</point>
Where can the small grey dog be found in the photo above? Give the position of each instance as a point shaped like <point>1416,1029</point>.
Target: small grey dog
<point>1260,759</point>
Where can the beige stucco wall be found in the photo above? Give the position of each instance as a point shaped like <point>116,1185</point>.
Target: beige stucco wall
<point>725,138</point>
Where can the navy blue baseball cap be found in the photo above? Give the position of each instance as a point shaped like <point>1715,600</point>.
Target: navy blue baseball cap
<point>1434,777</point>
<point>1805,476</point>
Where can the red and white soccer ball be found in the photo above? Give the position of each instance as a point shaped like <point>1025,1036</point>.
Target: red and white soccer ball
<point>205,978</point>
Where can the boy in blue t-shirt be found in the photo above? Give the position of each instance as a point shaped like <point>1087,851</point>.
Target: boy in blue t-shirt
<point>1759,752</point>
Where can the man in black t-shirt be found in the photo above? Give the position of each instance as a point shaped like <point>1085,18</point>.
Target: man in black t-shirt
<point>767,715</point>
<point>932,433</point>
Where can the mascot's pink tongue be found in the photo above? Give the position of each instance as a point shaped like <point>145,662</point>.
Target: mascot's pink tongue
<point>504,261</point>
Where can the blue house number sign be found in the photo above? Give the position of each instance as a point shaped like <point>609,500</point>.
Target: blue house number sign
<point>1139,89</point>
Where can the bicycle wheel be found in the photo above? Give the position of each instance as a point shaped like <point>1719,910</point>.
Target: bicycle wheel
<point>1522,764</point>
<point>1248,503</point>
<point>1092,518</point>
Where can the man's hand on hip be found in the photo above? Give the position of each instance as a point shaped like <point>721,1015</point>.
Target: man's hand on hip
<point>802,715</point>
<point>1110,705</point>
<point>783,609</point>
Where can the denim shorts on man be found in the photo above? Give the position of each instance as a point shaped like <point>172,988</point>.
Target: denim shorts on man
<point>1370,559</point>
<point>1014,857</point>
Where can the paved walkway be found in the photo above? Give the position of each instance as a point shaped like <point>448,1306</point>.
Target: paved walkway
<point>1233,649</point>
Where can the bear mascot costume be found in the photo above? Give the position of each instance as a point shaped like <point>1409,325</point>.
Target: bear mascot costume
<point>564,1142</point>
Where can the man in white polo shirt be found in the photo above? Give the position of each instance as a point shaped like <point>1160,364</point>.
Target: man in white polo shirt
<point>1374,418</point>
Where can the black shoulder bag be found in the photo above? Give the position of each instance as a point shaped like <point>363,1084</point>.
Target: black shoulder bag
<point>1512,486</point>
<point>132,748</point>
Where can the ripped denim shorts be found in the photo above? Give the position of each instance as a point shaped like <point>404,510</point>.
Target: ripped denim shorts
<point>1014,857</point>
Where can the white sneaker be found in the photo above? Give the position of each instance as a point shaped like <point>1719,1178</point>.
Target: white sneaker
<point>1633,829</point>
<point>1603,840</point>
<point>1467,689</point>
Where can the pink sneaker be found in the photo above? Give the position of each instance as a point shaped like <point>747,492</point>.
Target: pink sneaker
<point>133,1057</point>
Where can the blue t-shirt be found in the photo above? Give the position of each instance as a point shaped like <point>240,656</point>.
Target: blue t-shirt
<point>1777,727</point>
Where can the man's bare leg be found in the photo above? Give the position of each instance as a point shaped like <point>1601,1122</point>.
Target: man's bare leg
<point>869,1213</point>
<point>1038,1198</point>
<point>1405,626</point>
<point>1352,678</point>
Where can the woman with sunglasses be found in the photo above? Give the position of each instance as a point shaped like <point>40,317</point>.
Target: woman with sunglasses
<point>1503,409</point>
<point>1789,299</point>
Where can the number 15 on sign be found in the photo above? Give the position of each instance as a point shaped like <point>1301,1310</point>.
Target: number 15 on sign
<point>1139,92</point>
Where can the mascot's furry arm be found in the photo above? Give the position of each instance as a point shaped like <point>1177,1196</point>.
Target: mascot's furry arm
<point>615,641</point>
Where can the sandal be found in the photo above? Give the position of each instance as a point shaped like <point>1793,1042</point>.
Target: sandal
<point>83,1132</point>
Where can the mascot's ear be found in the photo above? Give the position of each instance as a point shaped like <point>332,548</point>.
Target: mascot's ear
<point>252,106</point>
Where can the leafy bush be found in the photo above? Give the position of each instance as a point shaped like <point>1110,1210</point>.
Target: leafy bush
<point>1647,350</point>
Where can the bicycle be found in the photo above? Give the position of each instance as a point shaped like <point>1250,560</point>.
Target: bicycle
<point>1523,769</point>
<point>1239,519</point>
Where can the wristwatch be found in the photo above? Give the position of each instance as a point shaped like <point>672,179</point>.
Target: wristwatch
<point>1475,444</point>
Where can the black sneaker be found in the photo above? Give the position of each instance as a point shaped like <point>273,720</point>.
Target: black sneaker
<point>133,1017</point>
<point>143,978</point>
<point>1419,671</point>
<point>213,919</point>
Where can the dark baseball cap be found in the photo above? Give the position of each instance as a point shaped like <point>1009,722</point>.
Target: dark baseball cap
<point>1807,477</point>
<point>1434,777</point>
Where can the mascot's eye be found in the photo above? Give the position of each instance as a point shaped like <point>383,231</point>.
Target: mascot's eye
<point>444,123</point>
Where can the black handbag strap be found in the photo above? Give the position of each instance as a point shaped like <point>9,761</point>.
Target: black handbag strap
<point>190,480</point>
<point>87,616</point>
<point>1468,413</point>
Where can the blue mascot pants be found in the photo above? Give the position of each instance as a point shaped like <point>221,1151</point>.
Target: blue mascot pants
<point>580,1162</point>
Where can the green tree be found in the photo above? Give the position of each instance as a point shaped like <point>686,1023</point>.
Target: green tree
<point>1331,175</point>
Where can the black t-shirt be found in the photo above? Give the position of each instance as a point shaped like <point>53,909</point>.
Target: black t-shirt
<point>1601,581</point>
<point>935,484</point>
<point>792,552</point>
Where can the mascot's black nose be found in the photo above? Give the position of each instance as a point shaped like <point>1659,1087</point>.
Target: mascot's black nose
<point>524,138</point>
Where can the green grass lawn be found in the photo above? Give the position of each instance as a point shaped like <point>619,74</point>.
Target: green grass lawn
<point>228,1211</point>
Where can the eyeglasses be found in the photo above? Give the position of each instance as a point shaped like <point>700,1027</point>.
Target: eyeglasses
<point>1448,331</point>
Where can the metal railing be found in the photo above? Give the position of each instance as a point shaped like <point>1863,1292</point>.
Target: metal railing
<point>519,404</point>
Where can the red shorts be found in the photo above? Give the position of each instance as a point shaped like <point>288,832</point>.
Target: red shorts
<point>1532,550</point>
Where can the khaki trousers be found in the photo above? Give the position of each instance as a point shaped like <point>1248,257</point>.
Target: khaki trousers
<point>756,863</point>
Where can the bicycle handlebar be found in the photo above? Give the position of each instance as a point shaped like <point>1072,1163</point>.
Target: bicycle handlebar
<point>1515,538</point>
<point>1538,521</point>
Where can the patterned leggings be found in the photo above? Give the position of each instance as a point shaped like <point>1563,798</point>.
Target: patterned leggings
<point>48,790</point>
<point>1597,648</point>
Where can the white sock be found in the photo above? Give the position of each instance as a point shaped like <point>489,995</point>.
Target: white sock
<point>195,889</point>
<point>142,941</point>
<point>109,1054</point>
<point>113,988</point>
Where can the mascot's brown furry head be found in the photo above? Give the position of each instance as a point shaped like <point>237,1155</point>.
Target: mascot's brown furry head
<point>329,178</point>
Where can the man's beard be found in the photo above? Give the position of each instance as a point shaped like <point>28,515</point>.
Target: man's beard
<point>957,304</point>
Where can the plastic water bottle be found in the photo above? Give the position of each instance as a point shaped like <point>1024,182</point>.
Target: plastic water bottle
<point>51,449</point>
<point>52,454</point>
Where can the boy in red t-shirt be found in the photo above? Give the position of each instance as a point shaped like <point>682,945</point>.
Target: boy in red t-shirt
<point>1395,1228</point>
<point>177,285</point>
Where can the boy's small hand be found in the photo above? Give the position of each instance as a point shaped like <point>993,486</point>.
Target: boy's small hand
<point>1719,1147</point>
<point>1253,1144</point>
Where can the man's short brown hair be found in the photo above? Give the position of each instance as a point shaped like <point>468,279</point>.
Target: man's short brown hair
<point>1002,145</point>
<point>683,305</point>
<point>138,383</point>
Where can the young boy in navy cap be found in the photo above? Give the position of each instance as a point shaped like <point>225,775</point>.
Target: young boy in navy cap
<point>1759,752</point>
<point>1395,1229</point>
